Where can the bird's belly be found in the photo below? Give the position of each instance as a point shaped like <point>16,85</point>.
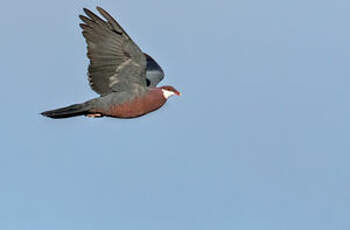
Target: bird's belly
<point>134,108</point>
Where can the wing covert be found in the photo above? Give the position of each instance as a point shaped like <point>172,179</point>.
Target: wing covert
<point>116,62</point>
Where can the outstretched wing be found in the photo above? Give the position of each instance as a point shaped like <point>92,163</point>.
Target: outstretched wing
<point>116,62</point>
<point>154,73</point>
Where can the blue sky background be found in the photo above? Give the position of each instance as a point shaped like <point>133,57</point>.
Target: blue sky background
<point>259,139</point>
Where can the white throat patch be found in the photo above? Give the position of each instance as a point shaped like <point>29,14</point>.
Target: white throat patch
<point>167,93</point>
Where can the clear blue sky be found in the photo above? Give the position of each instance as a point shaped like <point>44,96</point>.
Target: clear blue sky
<point>259,139</point>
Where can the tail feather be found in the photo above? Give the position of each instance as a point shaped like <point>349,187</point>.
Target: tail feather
<point>69,111</point>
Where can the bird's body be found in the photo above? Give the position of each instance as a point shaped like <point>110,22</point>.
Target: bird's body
<point>120,106</point>
<point>119,71</point>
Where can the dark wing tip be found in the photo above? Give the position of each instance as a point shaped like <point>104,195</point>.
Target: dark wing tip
<point>87,11</point>
<point>45,114</point>
<point>86,20</point>
<point>100,9</point>
<point>83,26</point>
<point>82,17</point>
<point>48,114</point>
<point>107,16</point>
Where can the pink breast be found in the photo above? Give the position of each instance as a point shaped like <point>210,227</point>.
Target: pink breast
<point>153,100</point>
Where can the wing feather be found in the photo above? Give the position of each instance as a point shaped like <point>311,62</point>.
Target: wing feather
<point>114,57</point>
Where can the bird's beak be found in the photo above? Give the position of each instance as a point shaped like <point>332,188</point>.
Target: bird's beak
<point>178,94</point>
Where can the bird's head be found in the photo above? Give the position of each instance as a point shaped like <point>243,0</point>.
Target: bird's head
<point>169,91</point>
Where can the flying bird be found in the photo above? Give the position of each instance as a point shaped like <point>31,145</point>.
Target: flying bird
<point>123,76</point>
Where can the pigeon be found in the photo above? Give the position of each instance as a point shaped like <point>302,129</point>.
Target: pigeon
<point>123,75</point>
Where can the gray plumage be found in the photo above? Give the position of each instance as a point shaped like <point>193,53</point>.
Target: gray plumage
<point>154,72</point>
<point>116,62</point>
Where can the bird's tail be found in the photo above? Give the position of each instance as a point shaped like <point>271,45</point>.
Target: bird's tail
<point>69,111</point>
